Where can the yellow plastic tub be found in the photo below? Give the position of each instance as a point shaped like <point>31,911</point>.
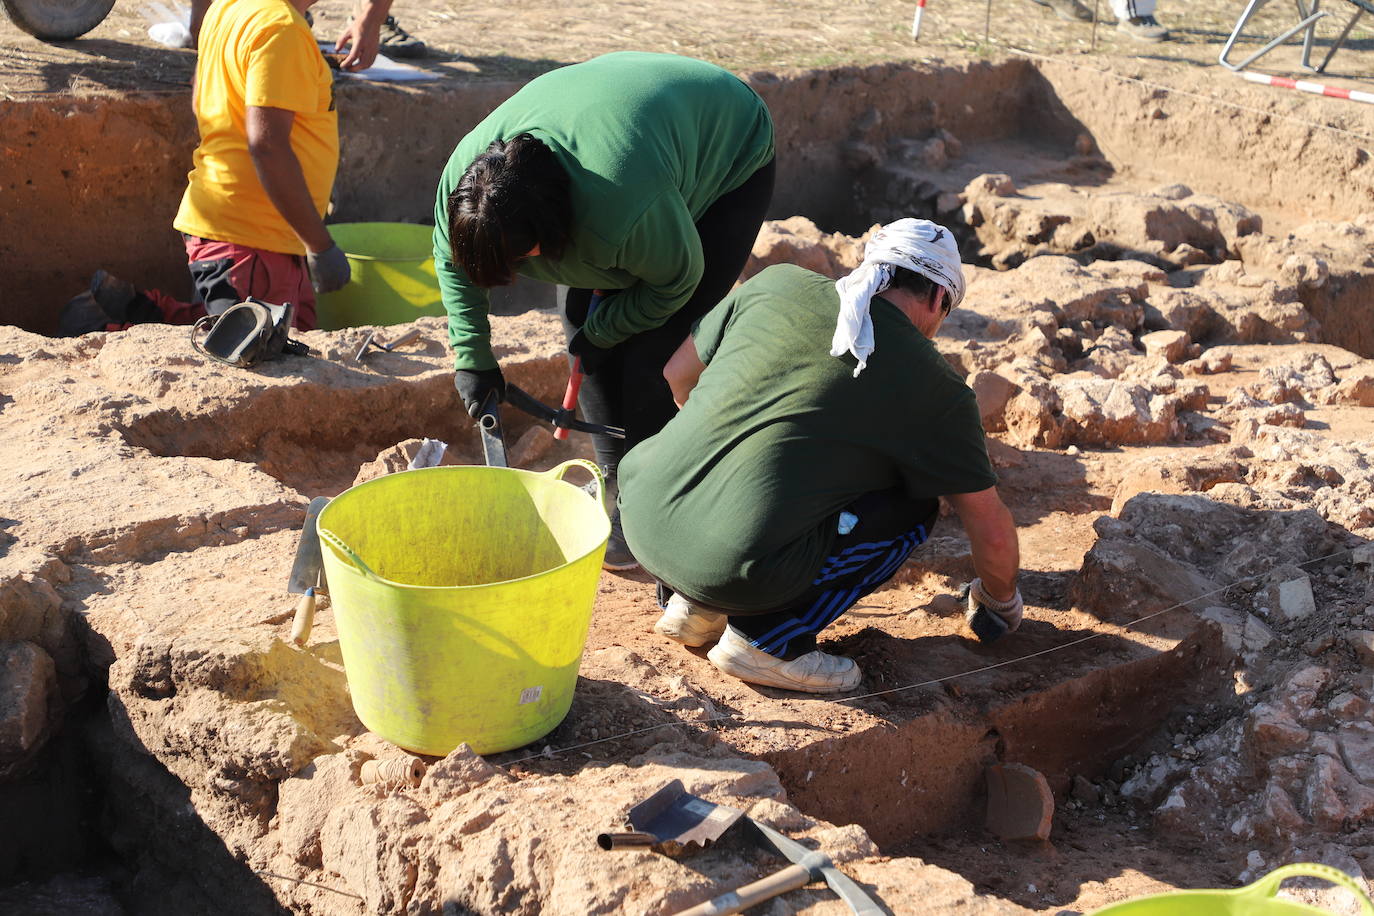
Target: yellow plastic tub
<point>1255,899</point>
<point>462,596</point>
<point>393,278</point>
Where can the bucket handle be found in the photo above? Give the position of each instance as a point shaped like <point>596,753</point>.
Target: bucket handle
<point>1268,886</point>
<point>333,540</point>
<point>588,466</point>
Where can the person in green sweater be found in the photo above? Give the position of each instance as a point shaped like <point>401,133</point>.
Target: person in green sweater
<point>798,477</point>
<point>636,181</point>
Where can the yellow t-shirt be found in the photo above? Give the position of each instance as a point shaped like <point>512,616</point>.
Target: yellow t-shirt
<point>259,53</point>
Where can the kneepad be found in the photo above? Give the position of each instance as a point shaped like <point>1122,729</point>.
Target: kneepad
<point>247,333</point>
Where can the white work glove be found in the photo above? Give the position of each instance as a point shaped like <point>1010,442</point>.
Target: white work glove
<point>989,618</point>
<point>329,269</point>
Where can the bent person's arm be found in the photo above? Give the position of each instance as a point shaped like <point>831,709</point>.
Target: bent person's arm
<point>992,534</point>
<point>682,371</point>
<point>362,36</point>
<point>269,145</point>
<point>198,8</point>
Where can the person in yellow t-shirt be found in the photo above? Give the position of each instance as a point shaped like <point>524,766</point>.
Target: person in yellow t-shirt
<point>252,214</point>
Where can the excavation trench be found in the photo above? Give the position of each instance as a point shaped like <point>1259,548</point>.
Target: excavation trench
<point>178,599</point>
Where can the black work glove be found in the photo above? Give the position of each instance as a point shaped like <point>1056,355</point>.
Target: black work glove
<point>329,269</point>
<point>592,356</point>
<point>476,385</point>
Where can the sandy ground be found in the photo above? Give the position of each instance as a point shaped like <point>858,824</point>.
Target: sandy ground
<point>505,40</point>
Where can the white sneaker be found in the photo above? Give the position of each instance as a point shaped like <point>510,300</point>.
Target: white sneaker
<point>814,672</point>
<point>1143,28</point>
<point>689,623</point>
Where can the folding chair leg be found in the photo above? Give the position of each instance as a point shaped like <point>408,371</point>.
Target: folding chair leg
<point>1310,36</point>
<point>1336,45</point>
<point>1250,9</point>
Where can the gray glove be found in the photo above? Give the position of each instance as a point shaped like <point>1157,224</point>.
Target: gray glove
<point>989,618</point>
<point>329,269</point>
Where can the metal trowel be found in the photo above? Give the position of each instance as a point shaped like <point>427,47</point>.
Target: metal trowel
<point>307,572</point>
<point>672,821</point>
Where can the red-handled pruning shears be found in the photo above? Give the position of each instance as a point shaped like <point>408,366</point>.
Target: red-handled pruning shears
<point>576,375</point>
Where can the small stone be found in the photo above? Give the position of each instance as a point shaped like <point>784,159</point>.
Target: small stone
<point>1273,732</point>
<point>1363,556</point>
<point>530,447</point>
<point>1172,346</point>
<point>1362,641</point>
<point>1232,626</point>
<point>1020,804</point>
<point>1348,706</point>
<point>1319,644</point>
<point>1085,791</point>
<point>1073,451</point>
<point>1357,749</point>
<point>1257,634</point>
<point>1295,599</point>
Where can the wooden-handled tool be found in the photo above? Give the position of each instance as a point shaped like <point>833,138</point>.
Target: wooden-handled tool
<point>807,866</point>
<point>306,576</point>
<point>304,619</point>
<point>789,879</point>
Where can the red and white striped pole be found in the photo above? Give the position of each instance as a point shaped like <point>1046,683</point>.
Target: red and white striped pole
<point>916,22</point>
<point>1334,92</point>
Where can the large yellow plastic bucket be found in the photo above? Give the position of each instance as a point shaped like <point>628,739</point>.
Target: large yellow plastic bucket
<point>462,597</point>
<point>1255,899</point>
<point>393,278</point>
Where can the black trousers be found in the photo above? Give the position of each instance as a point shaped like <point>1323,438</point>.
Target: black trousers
<point>629,390</point>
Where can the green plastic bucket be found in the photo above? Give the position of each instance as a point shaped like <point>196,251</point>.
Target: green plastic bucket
<point>462,597</point>
<point>393,278</point>
<point>1252,900</point>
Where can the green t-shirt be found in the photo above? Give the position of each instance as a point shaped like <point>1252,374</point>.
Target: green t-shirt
<point>649,141</point>
<point>735,502</point>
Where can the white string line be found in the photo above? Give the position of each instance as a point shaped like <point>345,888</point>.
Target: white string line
<point>325,887</point>
<point>547,753</point>
<point>1197,95</point>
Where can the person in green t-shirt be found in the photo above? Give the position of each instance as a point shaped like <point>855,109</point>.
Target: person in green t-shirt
<point>796,478</point>
<point>642,178</point>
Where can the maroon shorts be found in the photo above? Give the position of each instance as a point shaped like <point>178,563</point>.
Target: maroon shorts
<point>223,273</point>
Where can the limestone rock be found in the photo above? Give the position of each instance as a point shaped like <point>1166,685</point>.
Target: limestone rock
<point>1170,345</point>
<point>305,799</point>
<point>30,706</point>
<point>460,772</point>
<point>1362,641</point>
<point>993,391</point>
<point>1106,411</point>
<point>1166,475</point>
<point>1333,798</point>
<point>1272,732</point>
<point>798,241</point>
<point>398,458</point>
<point>1356,741</point>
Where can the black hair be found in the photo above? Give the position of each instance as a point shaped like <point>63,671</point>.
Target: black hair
<point>511,198</point>
<point>919,285</point>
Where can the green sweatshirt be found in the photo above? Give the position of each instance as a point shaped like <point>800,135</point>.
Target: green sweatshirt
<point>649,141</point>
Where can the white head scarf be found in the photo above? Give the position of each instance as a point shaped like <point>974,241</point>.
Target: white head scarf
<point>916,244</point>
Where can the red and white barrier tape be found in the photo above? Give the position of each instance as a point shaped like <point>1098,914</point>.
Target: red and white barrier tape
<point>916,22</point>
<point>1335,92</point>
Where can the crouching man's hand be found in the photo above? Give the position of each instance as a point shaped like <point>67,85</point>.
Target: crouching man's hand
<point>988,617</point>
